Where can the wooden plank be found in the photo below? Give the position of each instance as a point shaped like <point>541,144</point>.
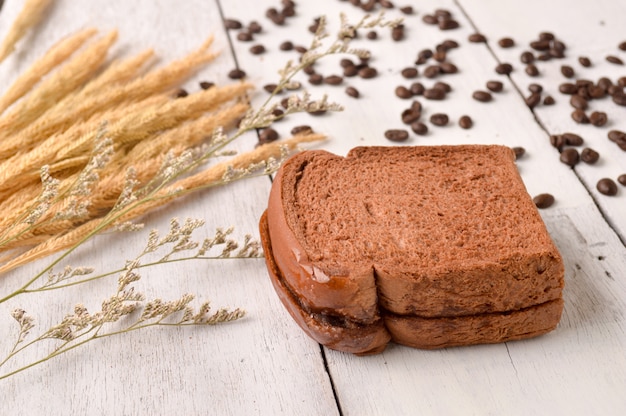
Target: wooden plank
<point>262,364</point>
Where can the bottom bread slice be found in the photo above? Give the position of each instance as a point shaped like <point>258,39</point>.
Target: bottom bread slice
<point>414,331</point>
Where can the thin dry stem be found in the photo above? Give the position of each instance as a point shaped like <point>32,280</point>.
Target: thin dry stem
<point>29,16</point>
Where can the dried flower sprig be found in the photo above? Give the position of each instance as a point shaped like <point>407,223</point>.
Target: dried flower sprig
<point>29,16</point>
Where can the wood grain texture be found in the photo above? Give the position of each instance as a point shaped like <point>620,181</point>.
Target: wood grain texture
<point>264,364</point>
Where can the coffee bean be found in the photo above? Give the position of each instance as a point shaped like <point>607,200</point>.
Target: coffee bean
<point>589,156</point>
<point>568,88</point>
<point>569,156</point>
<point>416,106</point>
<point>622,46</point>
<point>232,24</point>
<point>286,46</point>
<point>440,56</point>
<point>257,49</point>
<point>548,100</point>
<point>244,36</point>
<point>540,45</point>
<point>519,152</point>
<point>619,99</point>
<point>580,117</point>
<point>504,69</point>
<point>482,96</point>
<point>443,14</point>
<point>403,92</point>
<point>527,57</point>
<point>368,72</point>
<point>432,71</point>
<point>506,43</point>
<point>372,35</point>
<point>429,19</point>
<point>614,60</point>
<point>316,79</point>
<point>449,44</point>
<point>410,115</point>
<point>181,93</point>
<point>300,49</point>
<point>205,85</point>
<point>419,128</point>
<point>544,57</point>
<point>622,179</point>
<point>477,38</point>
<point>557,141</point>
<point>434,94</point>
<point>595,91</point>
<point>598,118</point>
<point>607,186</point>
<point>254,27</point>
<point>584,61</point>
<point>303,129</point>
<point>409,72</point>
<point>466,122</point>
<point>535,88</point>
<point>617,136</point>
<point>278,114</point>
<point>352,92</point>
<point>531,70</point>
<point>443,85</point>
<point>448,24</point>
<point>532,100</point>
<point>397,33</point>
<point>543,201</point>
<point>567,71</point>
<point>439,119</point>
<point>448,68</point>
<point>572,139</point>
<point>406,10</point>
<point>309,69</point>
<point>270,87</point>
<point>417,88</point>
<point>333,80</point>
<point>423,56</point>
<point>578,102</point>
<point>236,74</point>
<point>396,135</point>
<point>494,86</point>
<point>621,81</point>
<point>350,71</point>
<point>268,135</point>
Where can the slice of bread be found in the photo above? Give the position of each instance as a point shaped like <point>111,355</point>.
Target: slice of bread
<point>429,246</point>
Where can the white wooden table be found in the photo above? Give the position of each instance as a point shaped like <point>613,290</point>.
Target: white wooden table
<point>264,364</point>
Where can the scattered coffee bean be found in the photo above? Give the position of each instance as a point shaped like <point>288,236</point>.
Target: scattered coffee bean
<point>494,86</point>
<point>397,33</point>
<point>303,129</point>
<point>410,115</point>
<point>584,61</point>
<point>278,113</point>
<point>619,99</point>
<point>569,156</point>
<point>535,88</point>
<point>403,92</point>
<point>181,93</point>
<point>419,128</point>
<point>443,85</point>
<point>417,88</point>
<point>232,24</point>
<point>368,72</point>
<point>504,69</point>
<point>309,69</point>
<point>429,19</point>
<point>589,156</point>
<point>440,55</point>
<point>352,92</point>
<point>434,94</point>
<point>423,56</point>
<point>579,102</point>
<point>477,38</point>
<point>316,79</point>
<point>482,96</point>
<point>622,179</point>
<point>572,139</point>
<point>408,10</point>
<point>416,106</point>
<point>350,71</point>
<point>548,100</point>
<point>540,45</point>
<point>270,87</point>
<point>531,70</point>
<point>622,46</point>
<point>244,36</point>
<point>533,100</point>
<point>439,119</point>
<point>598,118</point>
<point>607,186</point>
<point>255,27</point>
<point>396,135</point>
<point>268,135</point>
<point>595,91</point>
<point>527,57</point>
<point>580,117</point>
<point>432,71</point>
<point>567,71</point>
<point>236,74</point>
<point>205,85</point>
<point>372,35</point>
<point>409,72</point>
<point>557,141</point>
<point>506,43</point>
<point>300,49</point>
<point>448,68</point>
<point>333,80</point>
<point>568,88</point>
<point>466,122</point>
<point>448,24</point>
<point>614,60</point>
<point>519,152</point>
<point>257,49</point>
<point>286,46</point>
<point>543,201</point>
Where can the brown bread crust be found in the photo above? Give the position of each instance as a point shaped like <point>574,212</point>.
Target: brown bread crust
<point>412,233</point>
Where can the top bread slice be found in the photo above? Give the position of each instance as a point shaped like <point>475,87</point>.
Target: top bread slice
<point>431,232</point>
